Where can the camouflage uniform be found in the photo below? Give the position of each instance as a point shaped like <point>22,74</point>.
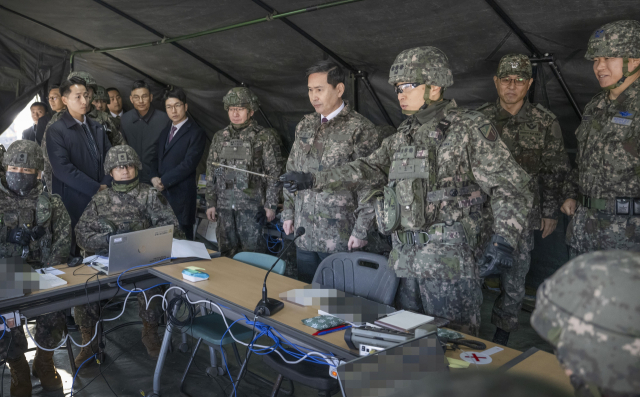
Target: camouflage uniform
<point>608,159</point>
<point>41,209</point>
<point>441,164</point>
<point>2,151</point>
<point>237,196</point>
<point>534,138</point>
<point>110,127</point>
<point>113,212</point>
<point>588,311</point>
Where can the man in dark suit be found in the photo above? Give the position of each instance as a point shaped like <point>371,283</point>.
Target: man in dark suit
<point>180,147</point>
<point>38,109</point>
<point>77,146</point>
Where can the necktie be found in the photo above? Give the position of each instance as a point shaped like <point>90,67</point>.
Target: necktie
<point>93,148</point>
<point>324,120</point>
<point>173,132</point>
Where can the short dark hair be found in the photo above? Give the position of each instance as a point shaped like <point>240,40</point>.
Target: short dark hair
<point>335,74</point>
<point>113,89</point>
<point>65,87</point>
<point>38,104</point>
<point>177,93</point>
<point>53,87</point>
<point>140,84</point>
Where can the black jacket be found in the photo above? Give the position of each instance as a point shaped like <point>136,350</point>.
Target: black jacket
<point>29,134</point>
<point>176,167</point>
<point>142,135</point>
<point>76,177</point>
<point>42,124</point>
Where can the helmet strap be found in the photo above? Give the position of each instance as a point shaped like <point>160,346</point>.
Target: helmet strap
<point>243,125</point>
<point>625,73</point>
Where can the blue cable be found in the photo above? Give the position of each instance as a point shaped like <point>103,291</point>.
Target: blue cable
<point>78,370</point>
<point>135,267</point>
<point>4,328</point>
<point>225,358</point>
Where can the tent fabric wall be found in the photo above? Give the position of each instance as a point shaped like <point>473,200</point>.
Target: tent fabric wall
<point>271,58</point>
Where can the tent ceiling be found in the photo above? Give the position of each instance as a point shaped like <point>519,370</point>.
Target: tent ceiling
<point>271,58</point>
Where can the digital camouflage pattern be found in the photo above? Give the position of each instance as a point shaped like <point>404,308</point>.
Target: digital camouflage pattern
<point>517,64</point>
<point>25,154</point>
<point>121,155</point>
<point>237,196</point>
<point>534,138</point>
<point>241,97</point>
<point>2,151</point>
<point>47,172</point>
<point>460,159</point>
<point>88,80</point>
<point>422,65</point>
<point>50,329</point>
<point>101,95</point>
<point>608,166</point>
<point>588,310</point>
<point>330,216</point>
<point>619,39</point>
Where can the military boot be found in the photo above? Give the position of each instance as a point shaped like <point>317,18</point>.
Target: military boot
<point>89,350</point>
<point>20,378</point>
<point>45,370</point>
<point>151,339</point>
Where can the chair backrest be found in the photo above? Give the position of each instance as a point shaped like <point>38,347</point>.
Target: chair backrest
<point>263,261</point>
<point>359,273</point>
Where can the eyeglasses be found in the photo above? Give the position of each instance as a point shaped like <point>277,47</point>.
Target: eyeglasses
<point>405,87</point>
<point>54,98</point>
<point>519,82</point>
<point>140,98</point>
<point>176,106</point>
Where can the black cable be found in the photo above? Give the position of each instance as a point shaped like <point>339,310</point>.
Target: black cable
<point>180,300</point>
<point>5,360</point>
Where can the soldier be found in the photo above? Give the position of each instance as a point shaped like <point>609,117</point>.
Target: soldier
<point>606,182</point>
<point>438,169</point>
<point>100,99</point>
<point>533,135</point>
<point>588,311</point>
<point>35,223</point>
<point>234,197</point>
<point>125,207</point>
<point>332,136</point>
<point>113,132</point>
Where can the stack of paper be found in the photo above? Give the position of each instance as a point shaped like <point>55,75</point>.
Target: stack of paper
<point>50,281</point>
<point>189,249</point>
<point>404,321</point>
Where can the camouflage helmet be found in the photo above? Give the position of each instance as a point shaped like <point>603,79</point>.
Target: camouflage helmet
<point>88,79</point>
<point>101,95</point>
<point>517,64</point>
<point>422,65</point>
<point>121,155</point>
<point>25,154</point>
<point>241,97</point>
<point>588,310</point>
<point>620,39</point>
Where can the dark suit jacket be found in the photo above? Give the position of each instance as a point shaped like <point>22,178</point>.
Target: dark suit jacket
<point>76,176</point>
<point>29,134</point>
<point>176,167</point>
<point>42,124</point>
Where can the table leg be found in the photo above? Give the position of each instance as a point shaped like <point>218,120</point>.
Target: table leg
<point>166,342</point>
<point>242,370</point>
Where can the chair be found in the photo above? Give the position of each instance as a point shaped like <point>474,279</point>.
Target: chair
<point>210,328</point>
<point>358,273</point>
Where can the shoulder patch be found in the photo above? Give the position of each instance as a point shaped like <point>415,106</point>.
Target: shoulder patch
<point>489,132</point>
<point>545,110</point>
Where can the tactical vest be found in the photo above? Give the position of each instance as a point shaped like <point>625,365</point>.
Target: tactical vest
<point>237,153</point>
<point>415,199</point>
<point>40,215</point>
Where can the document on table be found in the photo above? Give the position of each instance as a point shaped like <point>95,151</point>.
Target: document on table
<point>189,249</point>
<point>50,270</point>
<point>47,281</point>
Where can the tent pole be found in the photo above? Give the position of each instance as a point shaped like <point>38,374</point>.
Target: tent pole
<point>333,55</point>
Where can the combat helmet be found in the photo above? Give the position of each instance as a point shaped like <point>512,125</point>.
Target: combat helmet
<point>517,64</point>
<point>25,154</point>
<point>89,81</point>
<point>241,97</point>
<point>588,310</point>
<point>422,65</point>
<point>101,95</point>
<point>620,39</point>
<point>121,155</point>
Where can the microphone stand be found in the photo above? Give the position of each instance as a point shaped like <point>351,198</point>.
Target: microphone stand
<point>269,306</point>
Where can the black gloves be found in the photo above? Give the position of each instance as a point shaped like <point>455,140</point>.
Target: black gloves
<point>295,181</point>
<point>261,217</point>
<point>497,256</point>
<point>38,232</point>
<point>19,235</point>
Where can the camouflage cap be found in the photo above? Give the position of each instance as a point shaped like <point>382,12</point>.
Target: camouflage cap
<point>620,39</point>
<point>88,79</point>
<point>241,97</point>
<point>588,310</point>
<point>517,64</point>
<point>101,95</point>
<point>121,155</point>
<point>422,65</point>
<point>25,154</point>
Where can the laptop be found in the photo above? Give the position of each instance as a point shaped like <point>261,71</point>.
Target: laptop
<point>143,247</point>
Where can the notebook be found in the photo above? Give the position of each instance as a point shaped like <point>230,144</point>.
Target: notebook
<point>404,321</point>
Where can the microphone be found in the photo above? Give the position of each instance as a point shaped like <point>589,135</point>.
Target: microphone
<point>268,306</point>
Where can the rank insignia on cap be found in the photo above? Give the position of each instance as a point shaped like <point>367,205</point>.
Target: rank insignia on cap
<point>514,64</point>
<point>22,158</point>
<point>489,132</point>
<point>122,157</point>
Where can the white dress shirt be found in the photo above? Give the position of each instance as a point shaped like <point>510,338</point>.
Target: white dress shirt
<point>334,113</point>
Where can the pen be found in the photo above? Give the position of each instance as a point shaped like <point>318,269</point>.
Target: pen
<point>334,329</point>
